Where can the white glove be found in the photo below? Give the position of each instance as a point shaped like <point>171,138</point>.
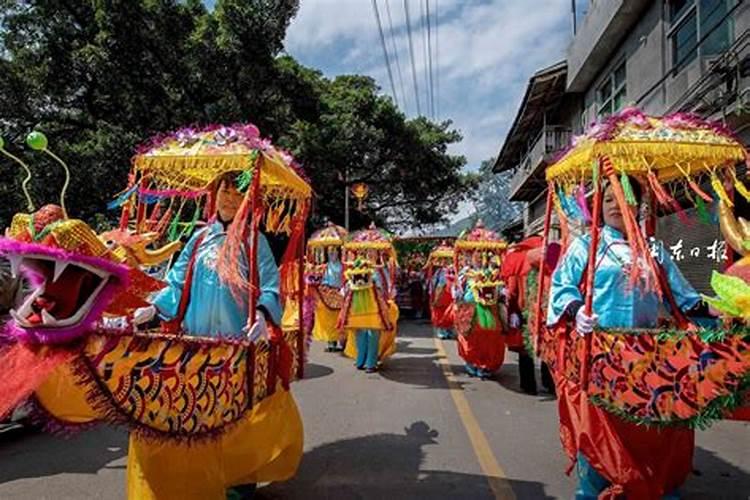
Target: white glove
<point>116,323</point>
<point>584,323</point>
<point>144,315</point>
<point>515,320</point>
<point>259,330</point>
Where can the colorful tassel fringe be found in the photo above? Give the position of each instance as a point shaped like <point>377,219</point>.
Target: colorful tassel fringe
<point>627,189</point>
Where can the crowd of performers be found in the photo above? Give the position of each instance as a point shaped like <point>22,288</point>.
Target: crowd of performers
<point>350,293</point>
<point>539,298</point>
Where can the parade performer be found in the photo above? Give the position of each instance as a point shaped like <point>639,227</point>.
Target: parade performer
<point>615,306</point>
<point>325,280</point>
<point>527,296</point>
<point>200,301</point>
<point>206,394</point>
<point>515,272</point>
<point>369,314</point>
<point>477,294</point>
<point>441,280</point>
<point>637,362</point>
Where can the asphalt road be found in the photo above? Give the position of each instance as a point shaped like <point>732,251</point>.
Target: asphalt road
<point>417,429</point>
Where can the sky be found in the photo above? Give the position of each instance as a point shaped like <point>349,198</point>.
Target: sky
<point>486,51</point>
<point>483,54</point>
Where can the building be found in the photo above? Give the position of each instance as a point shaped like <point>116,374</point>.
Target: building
<point>662,56</point>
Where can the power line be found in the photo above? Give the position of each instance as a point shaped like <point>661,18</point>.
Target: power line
<point>395,53</point>
<point>385,51</point>
<point>411,54</point>
<point>426,57</point>
<point>437,64</point>
<point>429,51</point>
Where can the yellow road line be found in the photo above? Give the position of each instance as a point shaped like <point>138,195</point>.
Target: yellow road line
<point>495,475</point>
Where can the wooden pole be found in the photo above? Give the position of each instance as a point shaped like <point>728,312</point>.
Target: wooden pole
<point>590,271</point>
<point>301,344</point>
<point>540,283</point>
<point>255,214</point>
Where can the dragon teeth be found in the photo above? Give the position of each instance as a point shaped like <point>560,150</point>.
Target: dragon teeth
<point>18,319</point>
<point>48,319</point>
<point>15,264</point>
<point>59,268</point>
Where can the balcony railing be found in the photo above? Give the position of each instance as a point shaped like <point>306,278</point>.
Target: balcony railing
<point>551,139</point>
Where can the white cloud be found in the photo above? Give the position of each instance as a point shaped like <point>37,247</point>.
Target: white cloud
<point>487,52</point>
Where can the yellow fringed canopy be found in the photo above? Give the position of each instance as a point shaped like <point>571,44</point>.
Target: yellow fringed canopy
<point>191,159</point>
<point>329,236</point>
<point>184,164</point>
<point>441,253</point>
<point>480,238</point>
<point>371,238</point>
<point>672,147</point>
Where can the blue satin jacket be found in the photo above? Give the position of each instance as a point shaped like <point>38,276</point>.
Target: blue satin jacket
<point>212,310</point>
<point>616,302</point>
<point>333,275</point>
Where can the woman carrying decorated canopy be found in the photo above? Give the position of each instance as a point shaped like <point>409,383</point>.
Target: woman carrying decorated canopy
<point>209,308</point>
<point>325,278</point>
<point>369,314</point>
<point>625,353</point>
<point>477,294</point>
<point>209,294</point>
<point>619,303</point>
<point>440,277</point>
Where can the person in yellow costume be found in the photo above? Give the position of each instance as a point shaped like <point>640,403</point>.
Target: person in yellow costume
<point>369,314</point>
<point>267,444</point>
<point>328,304</point>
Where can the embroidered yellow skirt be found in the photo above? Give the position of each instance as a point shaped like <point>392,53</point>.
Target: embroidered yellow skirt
<point>265,446</point>
<point>324,328</point>
<point>369,319</point>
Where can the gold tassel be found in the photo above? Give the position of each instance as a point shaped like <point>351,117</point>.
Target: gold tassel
<point>719,190</point>
<point>740,187</point>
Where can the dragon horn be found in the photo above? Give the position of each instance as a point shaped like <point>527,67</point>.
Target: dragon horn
<point>27,179</point>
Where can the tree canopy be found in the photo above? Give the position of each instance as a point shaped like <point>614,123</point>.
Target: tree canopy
<point>99,78</point>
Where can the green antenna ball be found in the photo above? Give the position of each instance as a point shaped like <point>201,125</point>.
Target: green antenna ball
<point>37,141</point>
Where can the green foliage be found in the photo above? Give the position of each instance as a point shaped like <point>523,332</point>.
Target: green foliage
<point>362,137</point>
<point>100,78</point>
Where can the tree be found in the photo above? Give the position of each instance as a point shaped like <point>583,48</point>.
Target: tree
<point>361,136</point>
<point>492,202</point>
<point>99,78</point>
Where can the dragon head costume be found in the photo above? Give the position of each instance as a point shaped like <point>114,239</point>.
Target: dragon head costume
<point>76,278</point>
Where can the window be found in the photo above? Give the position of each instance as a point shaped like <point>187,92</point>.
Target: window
<point>685,41</point>
<point>584,122</point>
<point>678,7</point>
<point>713,14</point>
<point>610,96</point>
<point>690,21</point>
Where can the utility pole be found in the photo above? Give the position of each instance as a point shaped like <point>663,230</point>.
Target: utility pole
<point>346,199</point>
